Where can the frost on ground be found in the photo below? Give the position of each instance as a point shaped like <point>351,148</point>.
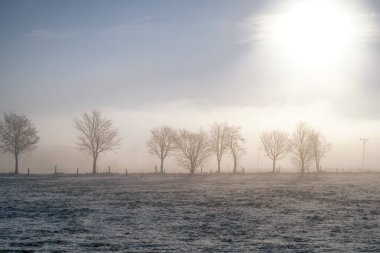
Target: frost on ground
<point>218,213</point>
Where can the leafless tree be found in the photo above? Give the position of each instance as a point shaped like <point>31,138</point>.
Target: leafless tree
<point>235,144</point>
<point>17,135</point>
<point>219,140</point>
<point>96,135</point>
<point>320,147</point>
<point>275,144</point>
<point>161,143</point>
<point>192,149</point>
<point>301,147</point>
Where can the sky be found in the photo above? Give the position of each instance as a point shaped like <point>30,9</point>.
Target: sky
<point>257,64</point>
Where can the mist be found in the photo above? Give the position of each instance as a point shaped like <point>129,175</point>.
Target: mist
<point>152,67</point>
<point>59,137</point>
<point>190,126</point>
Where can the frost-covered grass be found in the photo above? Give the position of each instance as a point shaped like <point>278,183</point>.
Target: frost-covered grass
<point>226,213</point>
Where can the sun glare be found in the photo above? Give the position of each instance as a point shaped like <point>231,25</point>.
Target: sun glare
<point>314,32</point>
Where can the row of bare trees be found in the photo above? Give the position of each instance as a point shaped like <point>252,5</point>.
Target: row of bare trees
<point>306,145</point>
<point>193,149</point>
<point>97,135</point>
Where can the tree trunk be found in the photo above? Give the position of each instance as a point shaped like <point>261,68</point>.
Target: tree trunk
<point>318,168</point>
<point>274,166</point>
<point>162,166</point>
<point>94,165</point>
<point>218,166</point>
<point>235,163</point>
<point>16,163</point>
<point>192,169</point>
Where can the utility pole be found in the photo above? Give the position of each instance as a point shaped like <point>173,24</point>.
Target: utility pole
<point>363,140</point>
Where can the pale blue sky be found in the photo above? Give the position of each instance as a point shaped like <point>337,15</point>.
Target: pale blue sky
<point>58,55</point>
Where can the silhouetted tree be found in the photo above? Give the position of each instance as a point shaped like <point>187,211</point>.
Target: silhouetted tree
<point>17,135</point>
<point>235,144</point>
<point>219,141</point>
<point>192,149</point>
<point>96,135</point>
<point>301,146</point>
<point>320,147</point>
<point>161,143</point>
<point>275,144</point>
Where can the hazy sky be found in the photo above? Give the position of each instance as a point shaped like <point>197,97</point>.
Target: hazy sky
<point>256,64</point>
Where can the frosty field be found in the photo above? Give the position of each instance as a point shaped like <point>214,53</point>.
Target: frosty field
<point>217,213</point>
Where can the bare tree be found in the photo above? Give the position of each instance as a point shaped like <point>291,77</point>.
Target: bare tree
<point>96,135</point>
<point>219,141</point>
<point>161,143</point>
<point>17,135</point>
<point>275,144</point>
<point>301,147</point>
<point>235,144</point>
<point>192,149</point>
<point>320,147</point>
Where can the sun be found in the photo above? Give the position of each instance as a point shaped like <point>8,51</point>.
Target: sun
<point>314,31</point>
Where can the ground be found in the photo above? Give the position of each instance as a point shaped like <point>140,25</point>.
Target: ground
<point>217,213</point>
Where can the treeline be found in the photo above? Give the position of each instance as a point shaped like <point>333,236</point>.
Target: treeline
<point>97,135</point>
<point>305,144</point>
<point>192,149</point>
